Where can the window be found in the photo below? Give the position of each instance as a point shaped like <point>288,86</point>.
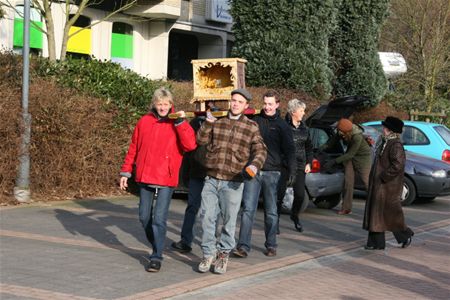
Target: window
<point>36,35</point>
<point>79,45</point>
<point>414,136</point>
<point>318,137</point>
<point>122,44</point>
<point>444,133</point>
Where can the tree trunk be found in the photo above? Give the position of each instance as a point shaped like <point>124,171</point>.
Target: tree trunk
<point>65,41</point>
<point>50,36</point>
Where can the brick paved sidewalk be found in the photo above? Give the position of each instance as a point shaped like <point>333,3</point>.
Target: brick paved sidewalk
<point>421,271</point>
<point>96,249</point>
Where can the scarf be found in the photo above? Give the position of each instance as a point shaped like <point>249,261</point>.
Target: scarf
<point>385,139</point>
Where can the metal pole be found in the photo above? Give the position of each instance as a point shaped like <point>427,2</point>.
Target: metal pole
<point>22,188</point>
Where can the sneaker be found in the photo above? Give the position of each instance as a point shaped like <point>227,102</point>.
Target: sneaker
<point>205,264</point>
<point>221,263</point>
<point>181,247</point>
<point>344,212</point>
<point>270,252</point>
<point>239,252</point>
<point>153,266</point>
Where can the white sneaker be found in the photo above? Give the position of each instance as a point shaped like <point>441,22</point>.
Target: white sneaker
<point>220,266</point>
<point>205,264</point>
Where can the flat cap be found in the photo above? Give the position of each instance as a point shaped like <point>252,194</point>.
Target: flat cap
<point>243,92</point>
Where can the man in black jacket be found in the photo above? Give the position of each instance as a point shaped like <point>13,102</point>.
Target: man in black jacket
<point>278,138</point>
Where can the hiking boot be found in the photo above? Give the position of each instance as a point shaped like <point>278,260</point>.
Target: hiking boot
<point>270,252</point>
<point>205,264</point>
<point>221,263</point>
<point>344,212</point>
<point>181,247</point>
<point>239,252</point>
<point>153,266</point>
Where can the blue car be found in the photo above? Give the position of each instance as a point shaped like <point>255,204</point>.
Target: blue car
<point>429,139</point>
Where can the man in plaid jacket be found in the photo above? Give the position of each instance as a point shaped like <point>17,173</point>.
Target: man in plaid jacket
<point>235,149</point>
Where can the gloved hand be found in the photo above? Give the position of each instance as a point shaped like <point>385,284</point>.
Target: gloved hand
<point>329,164</point>
<point>291,180</point>
<point>250,172</point>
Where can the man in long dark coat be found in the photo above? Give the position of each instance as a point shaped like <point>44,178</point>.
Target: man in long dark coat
<point>383,206</point>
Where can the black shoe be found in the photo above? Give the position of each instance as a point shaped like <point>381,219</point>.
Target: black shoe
<point>407,242</point>
<point>181,247</point>
<point>298,226</point>
<point>153,266</point>
<point>372,248</point>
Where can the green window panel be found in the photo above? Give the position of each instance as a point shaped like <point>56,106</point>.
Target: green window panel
<point>36,38</point>
<point>121,45</point>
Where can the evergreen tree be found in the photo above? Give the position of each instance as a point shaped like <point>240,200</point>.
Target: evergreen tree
<point>354,50</point>
<point>285,42</point>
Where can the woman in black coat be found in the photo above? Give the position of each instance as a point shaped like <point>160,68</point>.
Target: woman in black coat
<point>303,160</point>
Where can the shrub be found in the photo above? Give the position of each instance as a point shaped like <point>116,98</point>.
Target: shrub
<point>127,90</point>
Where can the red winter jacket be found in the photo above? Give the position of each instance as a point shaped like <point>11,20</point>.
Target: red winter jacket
<point>156,148</point>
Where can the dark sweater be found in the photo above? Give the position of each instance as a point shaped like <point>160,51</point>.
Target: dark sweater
<point>278,138</point>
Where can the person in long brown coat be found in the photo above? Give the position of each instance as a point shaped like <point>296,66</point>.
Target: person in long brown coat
<point>383,210</point>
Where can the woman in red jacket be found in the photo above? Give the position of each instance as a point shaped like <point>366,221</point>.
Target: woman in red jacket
<point>156,151</point>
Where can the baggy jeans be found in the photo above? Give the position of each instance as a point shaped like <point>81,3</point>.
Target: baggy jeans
<point>225,197</point>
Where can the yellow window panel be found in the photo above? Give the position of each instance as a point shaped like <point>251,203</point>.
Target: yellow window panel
<point>80,42</point>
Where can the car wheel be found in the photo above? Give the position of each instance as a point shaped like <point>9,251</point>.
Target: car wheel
<point>409,192</point>
<point>328,202</point>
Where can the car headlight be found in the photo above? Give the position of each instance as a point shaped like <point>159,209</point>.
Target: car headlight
<point>439,174</point>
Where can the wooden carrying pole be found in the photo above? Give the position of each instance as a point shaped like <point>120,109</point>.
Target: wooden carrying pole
<point>216,114</point>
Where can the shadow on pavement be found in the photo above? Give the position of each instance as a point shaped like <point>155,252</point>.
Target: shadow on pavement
<point>94,224</point>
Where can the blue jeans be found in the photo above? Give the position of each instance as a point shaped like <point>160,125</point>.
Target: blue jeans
<point>193,205</point>
<point>225,197</point>
<point>267,181</point>
<point>154,217</point>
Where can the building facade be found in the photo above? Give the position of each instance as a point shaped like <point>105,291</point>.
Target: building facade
<point>156,39</point>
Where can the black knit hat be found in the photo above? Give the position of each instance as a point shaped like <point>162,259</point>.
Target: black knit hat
<point>243,92</point>
<point>394,124</point>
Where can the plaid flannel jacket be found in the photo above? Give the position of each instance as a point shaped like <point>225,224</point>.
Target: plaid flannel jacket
<point>231,146</point>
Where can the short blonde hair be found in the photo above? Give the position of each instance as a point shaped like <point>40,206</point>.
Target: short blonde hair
<point>161,94</point>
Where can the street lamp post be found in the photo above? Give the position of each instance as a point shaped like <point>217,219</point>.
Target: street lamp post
<point>22,188</point>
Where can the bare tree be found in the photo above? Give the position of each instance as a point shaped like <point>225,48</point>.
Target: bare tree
<point>420,30</point>
<point>72,10</point>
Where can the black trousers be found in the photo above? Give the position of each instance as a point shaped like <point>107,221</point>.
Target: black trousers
<point>299,191</point>
<point>377,239</point>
